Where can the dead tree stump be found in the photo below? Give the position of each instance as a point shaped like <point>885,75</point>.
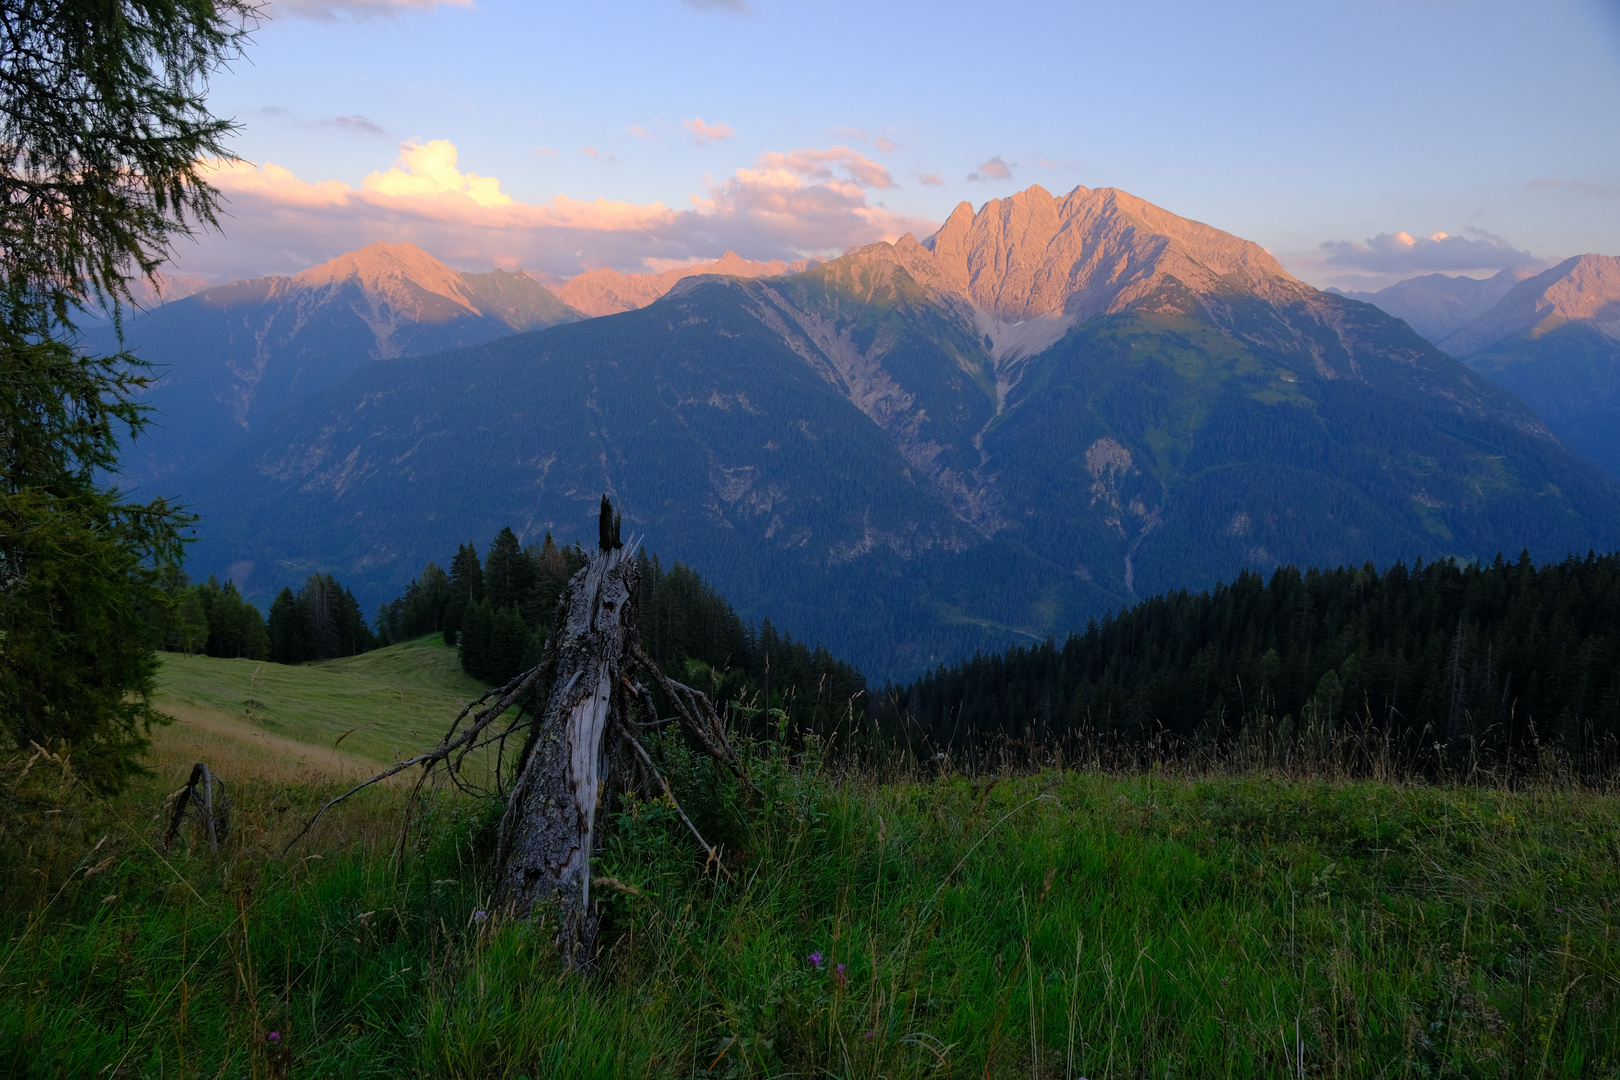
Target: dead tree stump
<point>549,828</point>
<point>566,771</point>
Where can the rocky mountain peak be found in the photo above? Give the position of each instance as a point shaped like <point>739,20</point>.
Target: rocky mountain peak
<point>401,277</point>
<point>1034,255</point>
<point>1585,288</point>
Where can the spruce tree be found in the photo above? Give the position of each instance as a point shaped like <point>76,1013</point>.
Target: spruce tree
<point>288,629</point>
<point>104,139</point>
<point>508,572</point>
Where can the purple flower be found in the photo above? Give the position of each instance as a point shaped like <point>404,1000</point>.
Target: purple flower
<point>480,915</point>
<point>842,978</point>
<point>274,1036</point>
<point>1559,910</point>
<point>870,1035</point>
<point>816,959</point>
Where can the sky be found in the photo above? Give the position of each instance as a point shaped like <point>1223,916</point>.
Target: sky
<point>1360,141</point>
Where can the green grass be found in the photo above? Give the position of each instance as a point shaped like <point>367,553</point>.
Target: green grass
<point>397,700</point>
<point>1054,926</point>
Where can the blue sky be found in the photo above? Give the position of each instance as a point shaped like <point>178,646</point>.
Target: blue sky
<point>1341,134</point>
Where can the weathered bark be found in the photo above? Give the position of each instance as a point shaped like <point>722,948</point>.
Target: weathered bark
<point>549,829</point>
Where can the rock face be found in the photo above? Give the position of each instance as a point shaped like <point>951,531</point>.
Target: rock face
<point>1049,408</point>
<point>1584,289</point>
<point>1088,253</point>
<point>1436,305</point>
<point>231,355</point>
<point>608,292</point>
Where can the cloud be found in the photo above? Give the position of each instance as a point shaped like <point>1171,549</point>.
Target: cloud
<point>277,222</point>
<point>545,151</point>
<point>703,134</point>
<point>593,152</point>
<point>328,10</point>
<point>1401,252</point>
<point>733,7</point>
<point>639,132</point>
<point>1574,187</point>
<point>994,169</point>
<point>819,165</point>
<point>930,179</point>
<point>354,125</point>
<point>430,169</point>
<point>885,144</point>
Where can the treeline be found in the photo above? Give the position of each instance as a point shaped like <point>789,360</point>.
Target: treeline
<point>499,610</point>
<point>1499,661</point>
<point>320,621</point>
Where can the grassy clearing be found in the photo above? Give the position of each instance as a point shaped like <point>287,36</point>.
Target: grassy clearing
<point>396,701</point>
<point>1052,926</point>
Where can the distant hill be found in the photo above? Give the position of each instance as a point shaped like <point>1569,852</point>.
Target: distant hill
<point>1436,305</point>
<point>1048,408</point>
<point>1554,340</point>
<point>608,292</point>
<point>231,355</point>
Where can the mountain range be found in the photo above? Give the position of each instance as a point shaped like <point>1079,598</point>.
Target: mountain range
<point>231,355</point>
<point>1437,305</point>
<point>1554,340</point>
<point>1050,407</point>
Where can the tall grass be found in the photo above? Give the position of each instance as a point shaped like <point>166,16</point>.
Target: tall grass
<point>1056,924</point>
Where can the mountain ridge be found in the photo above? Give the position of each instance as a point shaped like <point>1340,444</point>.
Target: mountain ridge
<point>608,292</point>
<point>852,438</point>
<point>1437,305</point>
<point>1584,288</point>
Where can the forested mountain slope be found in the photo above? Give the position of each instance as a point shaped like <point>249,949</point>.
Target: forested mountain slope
<point>1496,662</point>
<point>1052,406</point>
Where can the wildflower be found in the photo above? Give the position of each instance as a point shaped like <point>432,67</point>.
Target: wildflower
<point>480,915</point>
<point>274,1036</point>
<point>842,978</point>
<point>816,959</point>
<point>870,1035</point>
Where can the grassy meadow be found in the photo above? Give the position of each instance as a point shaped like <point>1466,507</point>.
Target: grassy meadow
<point>1054,925</point>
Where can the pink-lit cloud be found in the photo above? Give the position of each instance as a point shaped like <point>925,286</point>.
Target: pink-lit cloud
<point>885,144</point>
<point>789,205</point>
<point>930,179</point>
<point>994,169</point>
<point>703,134</point>
<point>639,132</point>
<point>597,155</point>
<point>1402,252</point>
<point>819,165</point>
